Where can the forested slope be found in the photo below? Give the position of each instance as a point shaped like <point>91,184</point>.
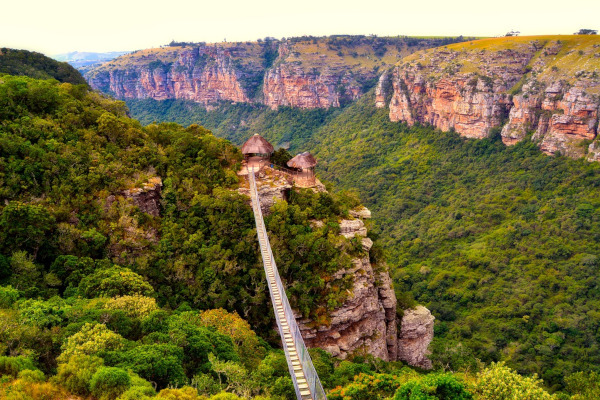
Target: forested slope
<point>36,65</point>
<point>119,243</point>
<point>501,243</point>
<point>127,257</point>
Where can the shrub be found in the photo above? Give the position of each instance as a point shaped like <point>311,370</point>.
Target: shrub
<point>32,376</point>
<point>134,306</point>
<point>114,281</point>
<point>433,387</point>
<point>90,340</point>
<point>8,295</point>
<point>13,365</point>
<point>225,396</point>
<point>140,389</point>
<point>160,363</point>
<point>184,393</point>
<point>108,383</point>
<point>77,373</point>
<point>367,387</point>
<point>498,382</point>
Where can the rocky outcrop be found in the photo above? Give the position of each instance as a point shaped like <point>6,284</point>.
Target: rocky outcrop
<point>129,239</point>
<point>271,187</point>
<point>290,85</point>
<point>512,84</point>
<point>147,198</point>
<point>367,321</point>
<point>470,103</point>
<point>562,118</point>
<point>382,89</point>
<point>416,333</point>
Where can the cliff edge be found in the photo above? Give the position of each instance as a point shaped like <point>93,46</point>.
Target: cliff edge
<point>542,88</point>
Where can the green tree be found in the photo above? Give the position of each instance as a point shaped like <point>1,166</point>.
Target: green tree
<point>498,382</point>
<point>108,383</point>
<point>115,281</point>
<point>433,387</point>
<point>76,374</point>
<point>25,227</point>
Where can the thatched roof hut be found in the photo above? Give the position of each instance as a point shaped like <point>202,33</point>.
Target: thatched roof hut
<point>302,161</point>
<point>257,145</point>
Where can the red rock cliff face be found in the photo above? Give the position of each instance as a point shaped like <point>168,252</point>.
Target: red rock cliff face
<point>521,89</point>
<point>562,119</point>
<point>288,85</point>
<point>470,103</point>
<point>299,72</point>
<point>203,74</point>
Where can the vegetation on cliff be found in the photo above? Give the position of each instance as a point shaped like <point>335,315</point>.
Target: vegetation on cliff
<point>500,243</point>
<point>101,298</point>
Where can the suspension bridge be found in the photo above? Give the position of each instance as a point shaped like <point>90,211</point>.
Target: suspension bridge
<point>306,381</point>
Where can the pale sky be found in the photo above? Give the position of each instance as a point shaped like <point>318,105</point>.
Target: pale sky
<point>60,26</point>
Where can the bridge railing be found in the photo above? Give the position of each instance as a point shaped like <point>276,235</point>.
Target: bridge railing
<point>310,374</point>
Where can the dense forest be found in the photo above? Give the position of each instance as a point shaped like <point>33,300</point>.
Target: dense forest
<point>113,301</point>
<point>287,127</point>
<point>501,243</point>
<point>102,299</point>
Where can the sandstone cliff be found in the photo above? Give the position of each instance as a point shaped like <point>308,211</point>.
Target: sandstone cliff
<point>204,74</point>
<point>545,88</point>
<point>298,72</point>
<point>367,322</point>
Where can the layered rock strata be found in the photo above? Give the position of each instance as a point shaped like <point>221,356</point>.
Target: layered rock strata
<point>541,88</point>
<point>367,321</point>
<point>204,74</point>
<point>561,118</point>
<point>298,72</point>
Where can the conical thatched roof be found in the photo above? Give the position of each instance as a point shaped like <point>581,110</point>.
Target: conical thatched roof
<point>257,145</point>
<point>304,160</point>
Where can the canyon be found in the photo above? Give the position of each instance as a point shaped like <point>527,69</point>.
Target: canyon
<point>302,72</point>
<point>545,88</point>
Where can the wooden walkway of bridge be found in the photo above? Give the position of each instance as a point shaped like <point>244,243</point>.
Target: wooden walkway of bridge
<point>306,381</point>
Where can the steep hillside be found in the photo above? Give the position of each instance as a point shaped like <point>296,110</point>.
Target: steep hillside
<point>36,65</point>
<point>543,88</point>
<point>287,127</point>
<point>302,72</point>
<point>107,226</point>
<point>501,243</point>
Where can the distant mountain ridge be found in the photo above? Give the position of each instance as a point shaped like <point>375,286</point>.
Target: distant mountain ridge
<point>86,60</point>
<point>305,72</point>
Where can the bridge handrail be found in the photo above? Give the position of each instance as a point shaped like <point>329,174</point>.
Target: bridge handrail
<point>312,378</point>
